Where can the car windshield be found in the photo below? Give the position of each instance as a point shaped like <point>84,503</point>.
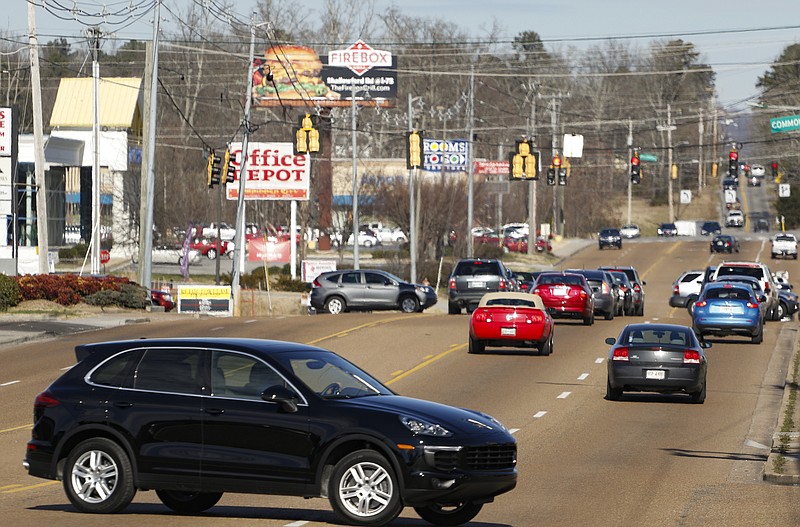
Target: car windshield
<point>331,376</point>
<point>675,337</point>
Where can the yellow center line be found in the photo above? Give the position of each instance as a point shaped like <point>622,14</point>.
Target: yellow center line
<point>30,487</point>
<point>16,428</point>
<point>344,332</point>
<point>5,487</point>
<point>426,363</point>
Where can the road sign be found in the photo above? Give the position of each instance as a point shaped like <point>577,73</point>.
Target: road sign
<point>784,190</point>
<point>105,256</point>
<point>652,158</point>
<point>784,124</point>
<point>686,197</point>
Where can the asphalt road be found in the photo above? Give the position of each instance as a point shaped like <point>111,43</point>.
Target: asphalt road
<point>646,460</point>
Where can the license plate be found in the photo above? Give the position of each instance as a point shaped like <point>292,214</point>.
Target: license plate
<point>654,374</point>
<point>559,290</point>
<point>508,332</point>
<point>477,284</point>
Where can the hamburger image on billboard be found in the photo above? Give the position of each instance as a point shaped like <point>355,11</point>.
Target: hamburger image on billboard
<point>296,76</point>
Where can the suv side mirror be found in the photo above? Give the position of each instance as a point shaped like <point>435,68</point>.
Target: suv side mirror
<point>286,398</point>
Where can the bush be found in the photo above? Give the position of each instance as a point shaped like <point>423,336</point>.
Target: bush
<point>9,292</point>
<point>76,252</point>
<point>130,295</point>
<point>486,250</point>
<point>67,289</point>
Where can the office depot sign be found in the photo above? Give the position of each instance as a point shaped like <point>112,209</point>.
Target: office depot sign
<point>274,172</point>
<point>360,58</point>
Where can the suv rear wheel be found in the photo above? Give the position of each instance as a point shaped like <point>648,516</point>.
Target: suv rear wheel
<point>98,477</point>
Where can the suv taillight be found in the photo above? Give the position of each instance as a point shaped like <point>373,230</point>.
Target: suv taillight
<point>452,283</point>
<point>503,285</point>
<point>316,283</point>
<point>676,290</point>
<point>45,400</point>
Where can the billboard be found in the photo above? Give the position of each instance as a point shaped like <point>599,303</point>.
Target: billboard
<point>451,155</point>
<point>301,77</point>
<point>274,172</point>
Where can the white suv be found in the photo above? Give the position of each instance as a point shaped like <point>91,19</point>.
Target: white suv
<point>735,219</point>
<point>756,270</point>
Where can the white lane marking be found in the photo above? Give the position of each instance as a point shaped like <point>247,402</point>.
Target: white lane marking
<point>296,524</point>
<point>599,360</point>
<point>9,383</point>
<point>564,395</point>
<point>217,328</point>
<point>513,430</point>
<point>582,376</point>
<point>250,321</point>
<point>539,415</point>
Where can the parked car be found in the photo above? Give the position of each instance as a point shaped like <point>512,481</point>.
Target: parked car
<point>637,283</point>
<point>661,358</point>
<point>472,278</point>
<point>162,298</point>
<point>625,292</point>
<point>710,228</point>
<point>667,229</point>
<point>609,238</point>
<point>226,232</point>
<point>686,288</point>
<point>368,289</point>
<point>365,239</point>
<point>784,244</point>
<point>603,289</point>
<point>725,309</point>
<point>566,295</point>
<point>392,235</point>
<point>279,417</point>
<point>724,243</point>
<point>511,319</point>
<point>212,247</point>
<point>630,231</point>
<point>169,254</point>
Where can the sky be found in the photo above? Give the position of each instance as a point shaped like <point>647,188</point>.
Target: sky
<point>740,39</point>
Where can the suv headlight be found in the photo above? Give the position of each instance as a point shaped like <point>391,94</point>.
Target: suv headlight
<point>425,428</point>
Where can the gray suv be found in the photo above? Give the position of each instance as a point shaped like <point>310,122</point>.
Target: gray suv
<point>474,277</point>
<point>368,289</point>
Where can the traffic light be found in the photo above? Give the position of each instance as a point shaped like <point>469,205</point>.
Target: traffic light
<point>551,175</point>
<point>307,136</point>
<point>228,170</point>
<point>524,163</point>
<point>733,167</point>
<point>636,170</point>
<point>213,169</point>
<point>414,149</point>
<point>562,176</point>
<point>774,169</point>
<point>555,168</point>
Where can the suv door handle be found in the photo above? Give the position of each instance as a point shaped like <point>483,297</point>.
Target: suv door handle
<point>214,411</point>
<point>123,404</point>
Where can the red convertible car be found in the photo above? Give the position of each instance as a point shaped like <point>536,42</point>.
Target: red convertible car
<point>566,295</point>
<point>511,319</point>
<point>212,247</point>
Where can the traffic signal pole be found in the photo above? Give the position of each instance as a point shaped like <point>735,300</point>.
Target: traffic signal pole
<point>630,169</point>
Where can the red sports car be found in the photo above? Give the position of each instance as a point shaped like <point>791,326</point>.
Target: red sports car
<point>566,295</point>
<point>162,298</point>
<point>212,247</point>
<point>511,319</point>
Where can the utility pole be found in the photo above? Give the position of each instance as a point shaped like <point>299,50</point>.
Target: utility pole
<point>470,170</point>
<point>94,34</point>
<point>238,249</point>
<point>669,127</point>
<point>700,171</point>
<point>354,146</point>
<point>148,184</point>
<point>38,145</point>
<point>412,223</point>
<point>630,169</point>
<point>532,230</point>
<point>553,106</point>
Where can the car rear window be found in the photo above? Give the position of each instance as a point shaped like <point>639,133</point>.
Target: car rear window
<point>755,272</point>
<point>689,277</point>
<point>729,293</point>
<point>477,268</point>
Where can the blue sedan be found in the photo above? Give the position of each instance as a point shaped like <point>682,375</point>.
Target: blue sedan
<point>726,308</point>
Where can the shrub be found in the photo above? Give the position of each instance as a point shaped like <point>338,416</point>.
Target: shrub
<point>486,250</point>
<point>66,289</point>
<point>285,283</point>
<point>9,292</point>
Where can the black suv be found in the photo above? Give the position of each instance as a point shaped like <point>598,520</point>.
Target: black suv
<point>193,418</point>
<point>637,284</point>
<point>609,238</point>
<point>474,277</point>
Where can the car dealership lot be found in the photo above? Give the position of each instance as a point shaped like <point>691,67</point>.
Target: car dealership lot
<point>692,464</point>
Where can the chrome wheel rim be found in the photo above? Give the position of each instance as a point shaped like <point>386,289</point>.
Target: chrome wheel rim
<point>366,489</point>
<point>94,476</point>
<point>408,305</point>
<point>335,306</point>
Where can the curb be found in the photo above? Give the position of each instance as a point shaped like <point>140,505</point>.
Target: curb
<point>789,458</point>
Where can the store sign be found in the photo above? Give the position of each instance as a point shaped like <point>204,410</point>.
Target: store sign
<point>451,155</point>
<point>208,299</point>
<point>360,58</point>
<point>6,132</point>
<point>270,252</point>
<point>491,168</point>
<point>274,172</point>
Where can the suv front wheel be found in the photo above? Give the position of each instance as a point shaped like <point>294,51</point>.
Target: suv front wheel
<point>363,489</point>
<point>98,477</point>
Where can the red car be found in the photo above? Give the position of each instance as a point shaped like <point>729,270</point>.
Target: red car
<point>211,248</point>
<point>520,245</point>
<point>511,319</point>
<point>162,298</point>
<point>566,295</point>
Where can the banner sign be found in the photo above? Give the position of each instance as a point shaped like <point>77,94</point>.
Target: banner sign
<point>301,77</point>
<point>311,269</point>
<point>491,168</point>
<point>209,299</point>
<point>274,172</point>
<point>450,155</point>
<point>6,131</point>
<point>271,252</point>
